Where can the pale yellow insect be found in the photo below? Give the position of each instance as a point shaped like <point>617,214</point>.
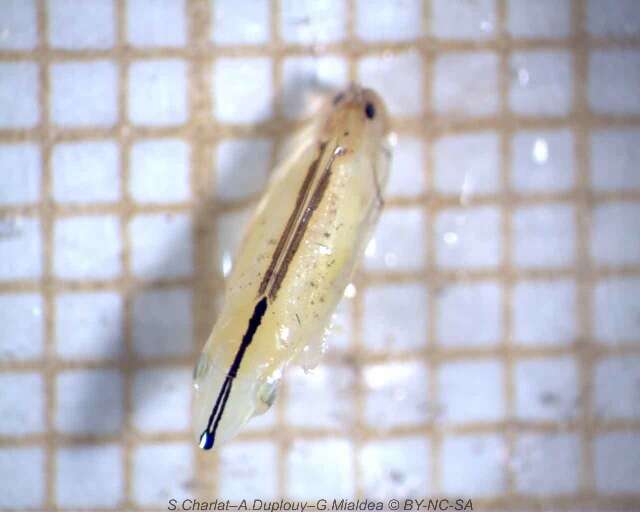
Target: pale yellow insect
<point>295,260</point>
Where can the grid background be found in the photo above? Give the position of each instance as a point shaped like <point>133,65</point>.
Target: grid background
<point>517,384</point>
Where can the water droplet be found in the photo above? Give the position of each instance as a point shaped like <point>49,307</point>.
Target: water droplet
<point>467,188</point>
<point>370,251</point>
<point>323,249</point>
<point>226,264</point>
<point>486,26</point>
<point>451,238</point>
<point>523,77</point>
<point>350,291</point>
<point>390,259</point>
<point>540,152</point>
<point>284,333</point>
<point>375,377</point>
<point>267,393</point>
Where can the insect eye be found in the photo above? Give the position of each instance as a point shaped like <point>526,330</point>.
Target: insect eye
<point>370,110</point>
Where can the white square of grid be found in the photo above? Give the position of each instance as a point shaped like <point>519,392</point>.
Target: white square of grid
<point>392,397</point>
<point>616,310</point>
<point>159,171</point>
<point>612,233</point>
<point>398,242</point>
<point>22,477</point>
<point>242,90</point>
<point>80,25</point>
<point>546,389</point>
<point>87,247</point>
<point>468,238</point>
<point>89,402</point>
<point>463,20</point>
<point>20,173</point>
<point>617,462</point>
<point>162,399</point>
<point>19,110</point>
<point>161,245</point>
<point>615,381</point>
<point>156,23</point>
<point>545,312</point>
<point>542,161</point>
<point>605,21</point>
<point>313,22</point>
<point>22,403</point>
<point>614,155</point>
<point>233,23</point>
<point>473,465</point>
<point>162,323</point>
<point>469,314</point>
<point>538,474</point>
<point>248,470</point>
<point>89,476</point>
<point>396,467</point>
<point>21,248</point>
<point>307,463</point>
<point>154,484</point>
<point>242,167</point>
<point>22,323</point>
<point>544,236</point>
<point>86,172</point>
<point>158,92</point>
<point>467,164</point>
<point>18,25</point>
<point>379,20</point>
<point>329,388</point>
<point>466,84</point>
<point>84,93</point>
<point>89,325</point>
<point>614,81</point>
<point>542,19</point>
<point>542,82</point>
<point>471,391</point>
<point>394,317</point>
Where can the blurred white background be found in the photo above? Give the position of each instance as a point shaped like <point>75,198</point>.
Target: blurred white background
<point>488,349</point>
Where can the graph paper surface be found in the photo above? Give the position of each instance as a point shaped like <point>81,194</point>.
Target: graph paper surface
<point>489,347</point>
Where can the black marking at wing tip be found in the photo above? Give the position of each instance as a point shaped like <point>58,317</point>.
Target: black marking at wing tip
<point>206,441</point>
<point>208,436</point>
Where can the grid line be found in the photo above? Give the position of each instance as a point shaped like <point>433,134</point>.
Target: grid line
<point>585,288</point>
<point>47,227</point>
<point>432,278</point>
<point>203,131</point>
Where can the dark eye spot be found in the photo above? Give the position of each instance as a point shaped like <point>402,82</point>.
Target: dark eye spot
<point>370,110</point>
<point>338,98</point>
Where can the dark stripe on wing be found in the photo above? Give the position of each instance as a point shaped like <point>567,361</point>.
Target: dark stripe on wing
<point>207,439</point>
<point>293,219</point>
